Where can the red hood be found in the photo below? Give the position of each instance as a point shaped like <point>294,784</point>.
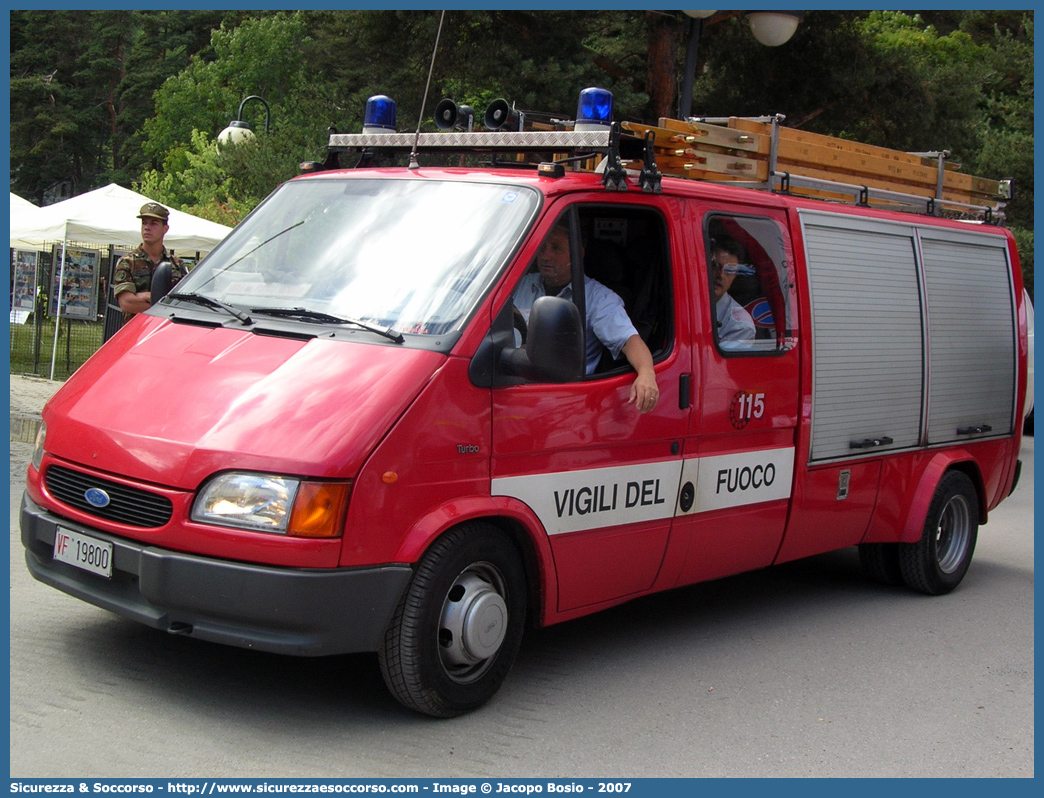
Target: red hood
<point>172,403</point>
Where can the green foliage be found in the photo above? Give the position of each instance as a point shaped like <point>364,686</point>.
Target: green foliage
<point>1024,242</point>
<point>81,86</point>
<point>818,75</point>
<point>261,57</point>
<point>126,96</point>
<point>197,183</point>
<point>271,57</point>
<point>957,81</point>
<point>219,183</point>
<point>49,122</point>
<point>881,77</point>
<point>536,60</point>
<point>931,82</point>
<point>1005,121</point>
<point>328,63</point>
<point>167,40</point>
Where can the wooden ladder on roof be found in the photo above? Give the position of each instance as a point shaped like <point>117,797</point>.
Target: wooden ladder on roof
<point>761,153</point>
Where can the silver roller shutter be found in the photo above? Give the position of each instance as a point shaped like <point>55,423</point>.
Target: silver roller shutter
<point>868,345</point>
<point>971,363</point>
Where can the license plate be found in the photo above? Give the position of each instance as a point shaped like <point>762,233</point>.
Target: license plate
<point>83,551</point>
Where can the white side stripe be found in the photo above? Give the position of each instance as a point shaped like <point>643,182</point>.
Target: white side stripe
<point>572,501</point>
<point>733,480</point>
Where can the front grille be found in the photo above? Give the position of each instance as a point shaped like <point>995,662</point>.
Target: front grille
<point>131,506</point>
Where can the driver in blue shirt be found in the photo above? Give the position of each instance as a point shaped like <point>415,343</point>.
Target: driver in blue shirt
<point>608,326</point>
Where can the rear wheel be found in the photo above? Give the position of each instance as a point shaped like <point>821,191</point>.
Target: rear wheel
<point>937,563</point>
<point>458,627</point>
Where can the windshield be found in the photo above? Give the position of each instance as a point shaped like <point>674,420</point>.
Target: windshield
<point>413,256</point>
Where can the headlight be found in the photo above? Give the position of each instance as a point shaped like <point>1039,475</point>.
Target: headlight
<point>267,503</point>
<point>38,449</point>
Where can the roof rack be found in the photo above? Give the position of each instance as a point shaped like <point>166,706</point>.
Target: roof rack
<point>748,152</point>
<point>758,152</point>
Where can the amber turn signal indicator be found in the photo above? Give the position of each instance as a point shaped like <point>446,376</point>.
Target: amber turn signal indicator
<point>319,509</point>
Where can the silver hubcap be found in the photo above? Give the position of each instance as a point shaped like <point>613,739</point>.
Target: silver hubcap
<point>473,623</point>
<point>951,538</point>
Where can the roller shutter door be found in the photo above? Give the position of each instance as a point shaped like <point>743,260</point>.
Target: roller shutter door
<point>971,363</point>
<point>868,343</point>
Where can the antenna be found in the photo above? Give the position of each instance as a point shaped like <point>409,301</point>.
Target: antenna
<point>413,152</point>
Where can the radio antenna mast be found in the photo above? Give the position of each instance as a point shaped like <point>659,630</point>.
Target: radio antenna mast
<point>420,118</point>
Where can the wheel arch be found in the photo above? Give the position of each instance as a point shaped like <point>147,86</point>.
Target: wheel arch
<point>517,522</point>
<point>937,468</point>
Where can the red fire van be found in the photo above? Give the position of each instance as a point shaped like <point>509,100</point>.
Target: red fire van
<point>339,434</point>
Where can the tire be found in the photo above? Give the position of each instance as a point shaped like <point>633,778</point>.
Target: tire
<point>937,563</point>
<point>458,626</point>
<point>880,561</point>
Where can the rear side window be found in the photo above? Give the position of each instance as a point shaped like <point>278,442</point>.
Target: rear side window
<point>752,298</point>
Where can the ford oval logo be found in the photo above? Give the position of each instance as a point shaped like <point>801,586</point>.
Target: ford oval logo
<point>96,497</point>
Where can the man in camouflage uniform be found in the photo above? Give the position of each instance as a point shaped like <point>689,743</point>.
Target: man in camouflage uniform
<point>132,279</point>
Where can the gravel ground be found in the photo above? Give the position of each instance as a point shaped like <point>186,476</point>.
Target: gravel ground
<point>29,394</point>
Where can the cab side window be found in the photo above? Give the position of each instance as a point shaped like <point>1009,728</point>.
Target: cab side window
<point>752,291</point>
<point>611,262</point>
<point>626,250</point>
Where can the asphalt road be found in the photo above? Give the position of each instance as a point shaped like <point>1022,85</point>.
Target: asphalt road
<point>806,669</point>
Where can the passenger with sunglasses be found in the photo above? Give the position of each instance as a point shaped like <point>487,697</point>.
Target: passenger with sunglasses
<point>734,323</point>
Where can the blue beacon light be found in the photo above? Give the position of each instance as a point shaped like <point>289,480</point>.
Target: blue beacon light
<point>594,112</point>
<point>380,115</point>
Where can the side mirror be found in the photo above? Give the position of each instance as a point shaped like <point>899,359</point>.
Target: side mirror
<point>554,349</point>
<point>162,280</point>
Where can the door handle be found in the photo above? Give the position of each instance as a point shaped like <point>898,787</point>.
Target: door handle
<point>979,430</point>
<point>870,443</point>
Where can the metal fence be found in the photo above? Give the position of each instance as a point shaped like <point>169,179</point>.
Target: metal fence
<point>53,342</point>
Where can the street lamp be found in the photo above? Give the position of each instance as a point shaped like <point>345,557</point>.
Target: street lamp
<point>239,131</point>
<point>773,28</point>
<point>770,28</point>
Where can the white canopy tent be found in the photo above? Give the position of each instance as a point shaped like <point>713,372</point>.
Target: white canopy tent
<point>21,208</point>
<point>18,204</point>
<point>25,212</point>
<point>108,215</point>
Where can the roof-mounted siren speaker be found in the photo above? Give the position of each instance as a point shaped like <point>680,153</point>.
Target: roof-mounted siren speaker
<point>450,116</point>
<point>500,115</point>
<point>594,111</point>
<point>380,115</point>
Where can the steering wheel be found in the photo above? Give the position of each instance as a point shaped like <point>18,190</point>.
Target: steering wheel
<point>520,323</point>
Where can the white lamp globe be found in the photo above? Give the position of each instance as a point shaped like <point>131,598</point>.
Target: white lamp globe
<point>773,28</point>
<point>236,133</point>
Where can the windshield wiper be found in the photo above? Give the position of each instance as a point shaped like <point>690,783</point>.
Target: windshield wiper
<point>304,314</point>
<point>229,266</point>
<point>201,299</point>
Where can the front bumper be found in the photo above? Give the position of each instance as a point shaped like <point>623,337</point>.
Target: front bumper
<point>301,611</point>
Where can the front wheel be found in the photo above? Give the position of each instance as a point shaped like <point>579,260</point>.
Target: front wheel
<point>458,626</point>
<point>937,562</point>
